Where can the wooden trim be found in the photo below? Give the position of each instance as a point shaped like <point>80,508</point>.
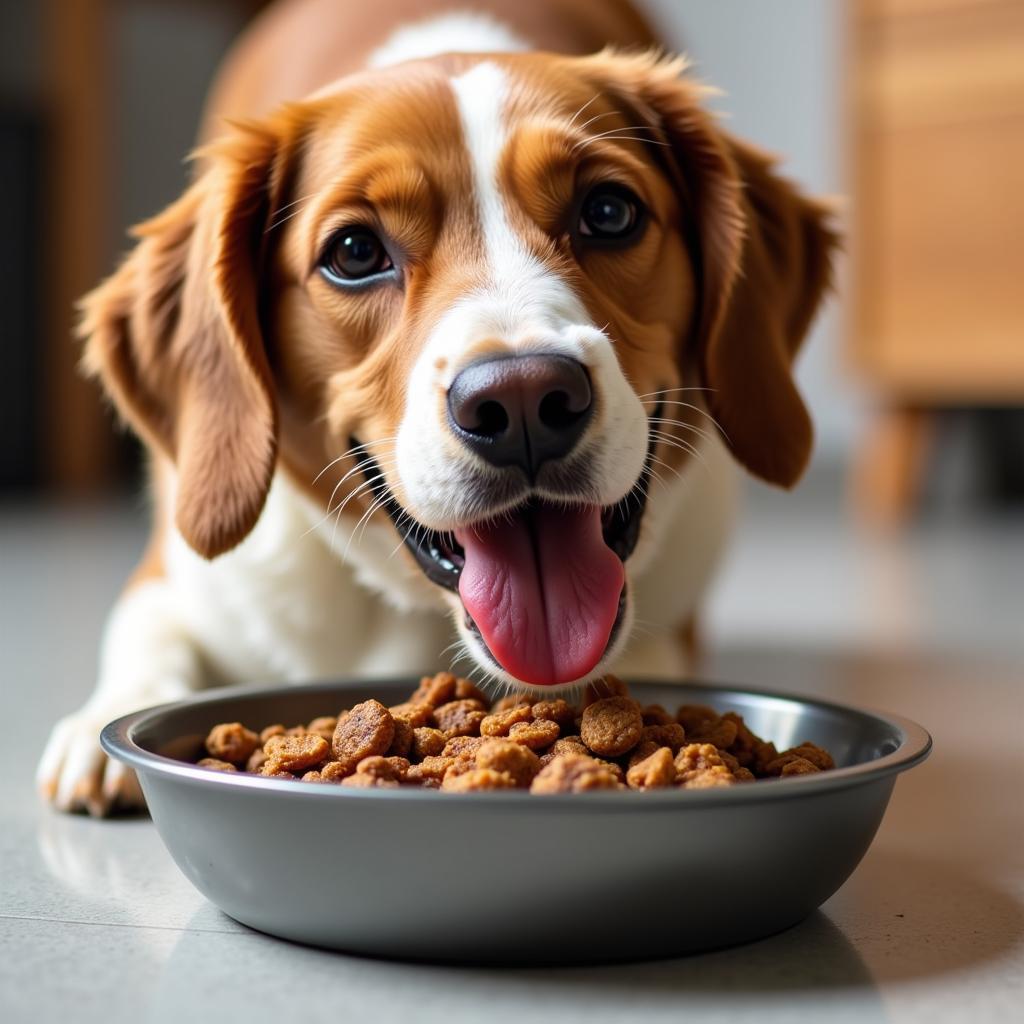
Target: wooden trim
<point>79,447</point>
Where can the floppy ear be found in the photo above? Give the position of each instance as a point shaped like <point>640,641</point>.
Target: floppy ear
<point>763,258</point>
<point>174,336</point>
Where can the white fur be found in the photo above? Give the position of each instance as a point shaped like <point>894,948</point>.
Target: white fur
<point>301,598</point>
<point>461,32</point>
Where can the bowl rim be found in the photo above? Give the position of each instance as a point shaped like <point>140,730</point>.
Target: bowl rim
<point>118,740</point>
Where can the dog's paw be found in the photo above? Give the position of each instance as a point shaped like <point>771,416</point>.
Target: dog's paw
<point>75,775</point>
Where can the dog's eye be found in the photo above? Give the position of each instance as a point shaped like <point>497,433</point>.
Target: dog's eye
<point>610,212</point>
<point>354,254</point>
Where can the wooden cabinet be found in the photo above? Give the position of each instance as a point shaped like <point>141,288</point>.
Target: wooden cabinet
<point>937,245</point>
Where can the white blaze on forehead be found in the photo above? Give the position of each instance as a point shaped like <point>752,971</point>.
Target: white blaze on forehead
<point>480,95</point>
<point>530,297</point>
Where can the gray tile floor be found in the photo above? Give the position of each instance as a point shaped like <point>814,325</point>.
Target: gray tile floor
<point>96,923</point>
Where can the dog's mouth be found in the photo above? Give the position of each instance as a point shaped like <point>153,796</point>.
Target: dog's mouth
<point>543,585</point>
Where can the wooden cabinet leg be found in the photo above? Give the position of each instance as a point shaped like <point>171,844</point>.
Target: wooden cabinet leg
<point>889,466</point>
<point>78,432</point>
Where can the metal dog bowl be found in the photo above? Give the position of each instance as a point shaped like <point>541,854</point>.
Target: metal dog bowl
<point>507,877</point>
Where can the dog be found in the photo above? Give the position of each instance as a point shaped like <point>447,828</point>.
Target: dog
<point>461,333</point>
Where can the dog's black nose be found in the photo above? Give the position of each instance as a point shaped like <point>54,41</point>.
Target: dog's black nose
<point>521,410</point>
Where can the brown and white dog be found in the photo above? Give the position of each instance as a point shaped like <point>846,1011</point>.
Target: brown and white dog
<point>464,323</point>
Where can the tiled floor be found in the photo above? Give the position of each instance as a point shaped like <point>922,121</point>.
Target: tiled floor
<point>96,923</point>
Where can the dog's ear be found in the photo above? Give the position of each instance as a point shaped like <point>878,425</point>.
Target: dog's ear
<point>175,338</point>
<point>763,255</point>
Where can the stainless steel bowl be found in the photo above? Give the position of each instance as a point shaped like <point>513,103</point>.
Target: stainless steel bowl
<point>507,877</point>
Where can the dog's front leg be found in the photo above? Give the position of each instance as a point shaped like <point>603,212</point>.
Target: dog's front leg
<point>147,657</point>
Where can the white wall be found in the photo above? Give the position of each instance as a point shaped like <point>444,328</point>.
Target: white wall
<point>780,64</point>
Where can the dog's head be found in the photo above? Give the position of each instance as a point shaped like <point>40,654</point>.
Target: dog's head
<point>494,295</point>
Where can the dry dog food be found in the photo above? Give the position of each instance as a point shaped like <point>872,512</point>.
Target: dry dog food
<point>447,736</point>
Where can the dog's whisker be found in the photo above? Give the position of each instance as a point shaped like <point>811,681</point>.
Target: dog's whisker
<point>572,120</point>
<point>666,465</point>
<point>698,409</point>
<point>335,512</point>
<point>370,484</point>
<point>616,133</point>
<point>277,223</point>
<point>597,117</point>
<point>673,442</point>
<point>628,138</point>
<point>681,423</point>
<point>364,520</point>
<point>668,391</point>
<point>352,451</point>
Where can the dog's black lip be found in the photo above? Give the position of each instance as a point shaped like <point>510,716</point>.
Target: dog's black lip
<point>441,557</point>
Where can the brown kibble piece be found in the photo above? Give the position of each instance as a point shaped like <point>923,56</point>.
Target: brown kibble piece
<point>460,717</point>
<point>313,776</point>
<point>257,759</point>
<point>457,746</point>
<point>417,715</point>
<point>435,690</point>
<point>461,764</point>
<point>499,723</point>
<point>696,718</point>
<point>535,735</point>
<point>429,769</point>
<point>744,746</point>
<point>557,710</point>
<point>271,770</point>
<point>570,745</point>
<point>573,773</point>
<point>335,771</point>
<point>465,689</point>
<point>641,752</point>
<point>477,779</point>
<point>610,686</point>
<point>653,772</point>
<point>426,743</point>
<point>669,735</point>
<point>565,745</point>
<point>511,758</point>
<point>808,752</point>
<point>366,730</point>
<point>271,730</point>
<point>819,757</point>
<point>709,780</point>
<point>324,726</point>
<point>706,725</point>
<point>401,744</point>
<point>364,780</point>
<point>394,768</point>
<point>655,714</point>
<point>216,764</point>
<point>799,766</point>
<point>612,726</point>
<point>296,753</point>
<point>764,754</point>
<point>699,766</point>
<point>511,701</point>
<point>231,741</point>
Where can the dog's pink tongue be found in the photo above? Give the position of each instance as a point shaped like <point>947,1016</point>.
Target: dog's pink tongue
<point>543,589</point>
